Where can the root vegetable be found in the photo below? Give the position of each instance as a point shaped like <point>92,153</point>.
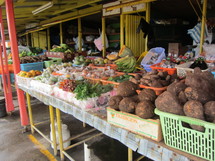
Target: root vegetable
<point>167,102</point>
<point>133,80</point>
<point>137,76</point>
<point>176,87</point>
<point>157,84</point>
<point>127,105</point>
<point>163,74</point>
<point>209,108</point>
<point>147,95</point>
<point>114,102</point>
<point>194,109</point>
<point>145,109</point>
<point>164,83</point>
<point>182,97</point>
<point>135,98</point>
<point>127,88</point>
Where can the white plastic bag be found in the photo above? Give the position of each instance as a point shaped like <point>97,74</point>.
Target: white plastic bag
<point>99,44</point>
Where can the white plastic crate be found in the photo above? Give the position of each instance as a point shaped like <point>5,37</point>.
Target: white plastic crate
<point>23,81</point>
<point>42,87</point>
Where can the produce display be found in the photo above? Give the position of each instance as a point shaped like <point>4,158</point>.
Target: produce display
<point>30,74</point>
<point>126,64</point>
<point>199,62</point>
<point>194,98</point>
<point>121,78</point>
<point>36,50</point>
<point>62,48</point>
<point>33,59</point>
<point>154,79</point>
<point>81,61</point>
<point>98,73</point>
<point>68,85</point>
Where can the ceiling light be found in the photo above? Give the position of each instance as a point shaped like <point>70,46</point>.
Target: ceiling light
<point>42,8</point>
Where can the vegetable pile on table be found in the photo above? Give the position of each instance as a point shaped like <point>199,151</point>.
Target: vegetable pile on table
<point>33,59</point>
<point>30,74</point>
<point>62,48</point>
<point>194,98</point>
<point>126,64</point>
<point>121,78</point>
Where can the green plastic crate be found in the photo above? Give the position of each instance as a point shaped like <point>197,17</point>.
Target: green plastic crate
<point>201,144</point>
<point>53,61</point>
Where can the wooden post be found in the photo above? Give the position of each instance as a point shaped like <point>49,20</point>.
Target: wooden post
<point>79,35</point>
<point>103,37</point>
<point>204,12</point>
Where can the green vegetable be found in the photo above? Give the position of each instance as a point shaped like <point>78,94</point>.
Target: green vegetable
<point>120,79</point>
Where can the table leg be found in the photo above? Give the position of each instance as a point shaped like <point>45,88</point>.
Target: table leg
<point>30,112</point>
<point>59,127</point>
<point>130,157</point>
<point>53,132</point>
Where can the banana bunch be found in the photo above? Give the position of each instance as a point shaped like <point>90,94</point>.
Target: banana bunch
<point>126,64</point>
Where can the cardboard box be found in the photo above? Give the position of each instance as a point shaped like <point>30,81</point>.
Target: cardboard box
<point>174,48</point>
<point>146,127</point>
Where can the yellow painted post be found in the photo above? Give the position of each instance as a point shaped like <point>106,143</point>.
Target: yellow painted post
<point>60,137</point>
<point>27,40</point>
<point>54,143</point>
<point>61,33</point>
<point>48,38</point>
<point>30,112</point>
<point>148,10</point>
<point>204,12</point>
<point>103,37</point>
<point>79,35</point>
<point>130,154</point>
<point>122,23</point>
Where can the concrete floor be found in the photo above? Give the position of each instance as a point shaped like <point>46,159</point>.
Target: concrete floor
<point>16,146</point>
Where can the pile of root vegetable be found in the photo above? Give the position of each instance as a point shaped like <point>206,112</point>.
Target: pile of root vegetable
<point>154,79</point>
<point>33,59</point>
<point>127,100</point>
<point>195,97</point>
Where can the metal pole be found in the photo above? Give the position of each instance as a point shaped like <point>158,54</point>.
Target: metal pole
<point>16,62</point>
<point>79,35</point>
<point>30,112</point>
<point>103,37</point>
<point>122,30</point>
<point>204,12</point>
<point>61,33</point>
<point>53,132</point>
<point>48,37</point>
<point>130,157</point>
<point>5,71</point>
<point>148,9</point>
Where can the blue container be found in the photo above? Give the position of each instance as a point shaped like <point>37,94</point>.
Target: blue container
<point>32,66</point>
<point>12,80</point>
<point>213,74</point>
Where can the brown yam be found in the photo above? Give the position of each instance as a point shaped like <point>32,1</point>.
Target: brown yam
<point>127,105</point>
<point>157,84</point>
<point>133,80</point>
<point>164,83</point>
<point>138,77</point>
<point>153,72</point>
<point>147,95</point>
<point>182,97</point>
<point>145,109</point>
<point>167,102</point>
<point>154,77</point>
<point>194,109</point>
<point>114,102</point>
<point>127,88</point>
<point>168,78</point>
<point>163,74</point>
<point>209,108</point>
<point>176,87</point>
<point>135,98</point>
<point>198,95</point>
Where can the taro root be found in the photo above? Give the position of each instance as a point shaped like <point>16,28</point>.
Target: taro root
<point>182,97</point>
<point>133,80</point>
<point>163,74</point>
<point>114,102</point>
<point>145,109</point>
<point>167,102</point>
<point>135,98</point>
<point>127,104</point>
<point>147,95</point>
<point>198,95</point>
<point>157,84</point>
<point>127,88</point>
<point>194,109</point>
<point>164,83</point>
<point>209,109</point>
<point>176,87</point>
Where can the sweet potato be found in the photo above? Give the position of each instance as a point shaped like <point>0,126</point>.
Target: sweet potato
<point>145,109</point>
<point>127,105</point>
<point>167,102</point>
<point>195,109</point>
<point>147,95</point>
<point>114,102</point>
<point>176,87</point>
<point>198,95</point>
<point>127,88</point>
<point>209,108</point>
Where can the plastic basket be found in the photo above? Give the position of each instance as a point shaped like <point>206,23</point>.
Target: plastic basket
<point>106,82</point>
<point>23,81</point>
<point>197,143</point>
<point>105,66</point>
<point>53,61</point>
<point>170,71</point>
<point>32,66</point>
<point>158,91</point>
<point>183,69</point>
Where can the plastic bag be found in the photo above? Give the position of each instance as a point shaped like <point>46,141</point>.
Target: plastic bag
<point>154,56</point>
<point>23,48</point>
<point>98,42</point>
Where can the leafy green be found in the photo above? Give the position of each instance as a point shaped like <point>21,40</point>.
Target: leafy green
<point>86,90</point>
<point>120,79</point>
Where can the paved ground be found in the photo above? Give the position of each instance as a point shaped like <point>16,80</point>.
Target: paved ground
<point>16,146</point>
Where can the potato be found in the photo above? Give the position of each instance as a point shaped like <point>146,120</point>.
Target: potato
<point>176,88</point>
<point>209,109</point>
<point>194,109</point>
<point>145,109</point>
<point>114,102</point>
<point>127,88</point>
<point>167,102</point>
<point>127,105</point>
<point>147,95</point>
